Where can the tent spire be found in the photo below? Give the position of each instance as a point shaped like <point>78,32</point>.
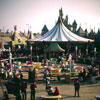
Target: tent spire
<point>60,18</point>
<point>61,13</point>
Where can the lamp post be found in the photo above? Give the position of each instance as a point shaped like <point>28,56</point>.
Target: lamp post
<point>70,59</point>
<point>10,56</point>
<point>37,58</point>
<point>80,52</point>
<point>9,49</point>
<point>87,51</point>
<point>31,52</point>
<point>3,48</point>
<point>76,48</point>
<point>95,52</point>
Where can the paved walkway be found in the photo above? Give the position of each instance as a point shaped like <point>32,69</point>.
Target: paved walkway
<point>87,91</point>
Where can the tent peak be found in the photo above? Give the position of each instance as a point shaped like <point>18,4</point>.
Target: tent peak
<point>59,20</point>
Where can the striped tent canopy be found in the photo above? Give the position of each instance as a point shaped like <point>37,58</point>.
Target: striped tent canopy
<point>59,33</point>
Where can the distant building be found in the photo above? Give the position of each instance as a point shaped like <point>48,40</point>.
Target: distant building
<point>31,36</point>
<point>80,32</point>
<point>86,33</point>
<point>74,25</point>
<point>44,30</point>
<point>16,36</point>
<point>91,34</point>
<point>98,36</point>
<point>65,21</point>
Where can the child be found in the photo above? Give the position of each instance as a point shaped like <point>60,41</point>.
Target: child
<point>56,92</point>
<point>50,91</point>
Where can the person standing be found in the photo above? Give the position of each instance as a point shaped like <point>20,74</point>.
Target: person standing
<point>33,90</point>
<point>23,90</point>
<point>47,83</point>
<point>77,87</point>
<point>45,75</point>
<point>21,75</point>
<point>6,96</point>
<point>30,75</point>
<point>84,75</point>
<point>18,97</point>
<point>34,75</point>
<point>80,76</point>
<point>17,82</point>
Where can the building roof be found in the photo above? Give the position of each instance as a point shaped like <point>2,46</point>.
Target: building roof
<point>74,23</point>
<point>16,36</point>
<point>80,30</point>
<point>54,47</point>
<point>44,29</point>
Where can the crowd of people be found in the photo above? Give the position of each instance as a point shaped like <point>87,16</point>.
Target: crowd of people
<point>17,86</point>
<point>88,74</point>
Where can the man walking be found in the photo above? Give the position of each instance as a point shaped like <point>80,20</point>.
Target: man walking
<point>33,87</point>
<point>77,87</point>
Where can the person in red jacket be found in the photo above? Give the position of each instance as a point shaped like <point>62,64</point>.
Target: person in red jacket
<point>56,92</point>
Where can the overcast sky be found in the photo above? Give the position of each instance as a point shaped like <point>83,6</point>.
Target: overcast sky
<point>36,13</point>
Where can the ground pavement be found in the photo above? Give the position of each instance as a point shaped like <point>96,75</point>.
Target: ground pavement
<point>87,91</point>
